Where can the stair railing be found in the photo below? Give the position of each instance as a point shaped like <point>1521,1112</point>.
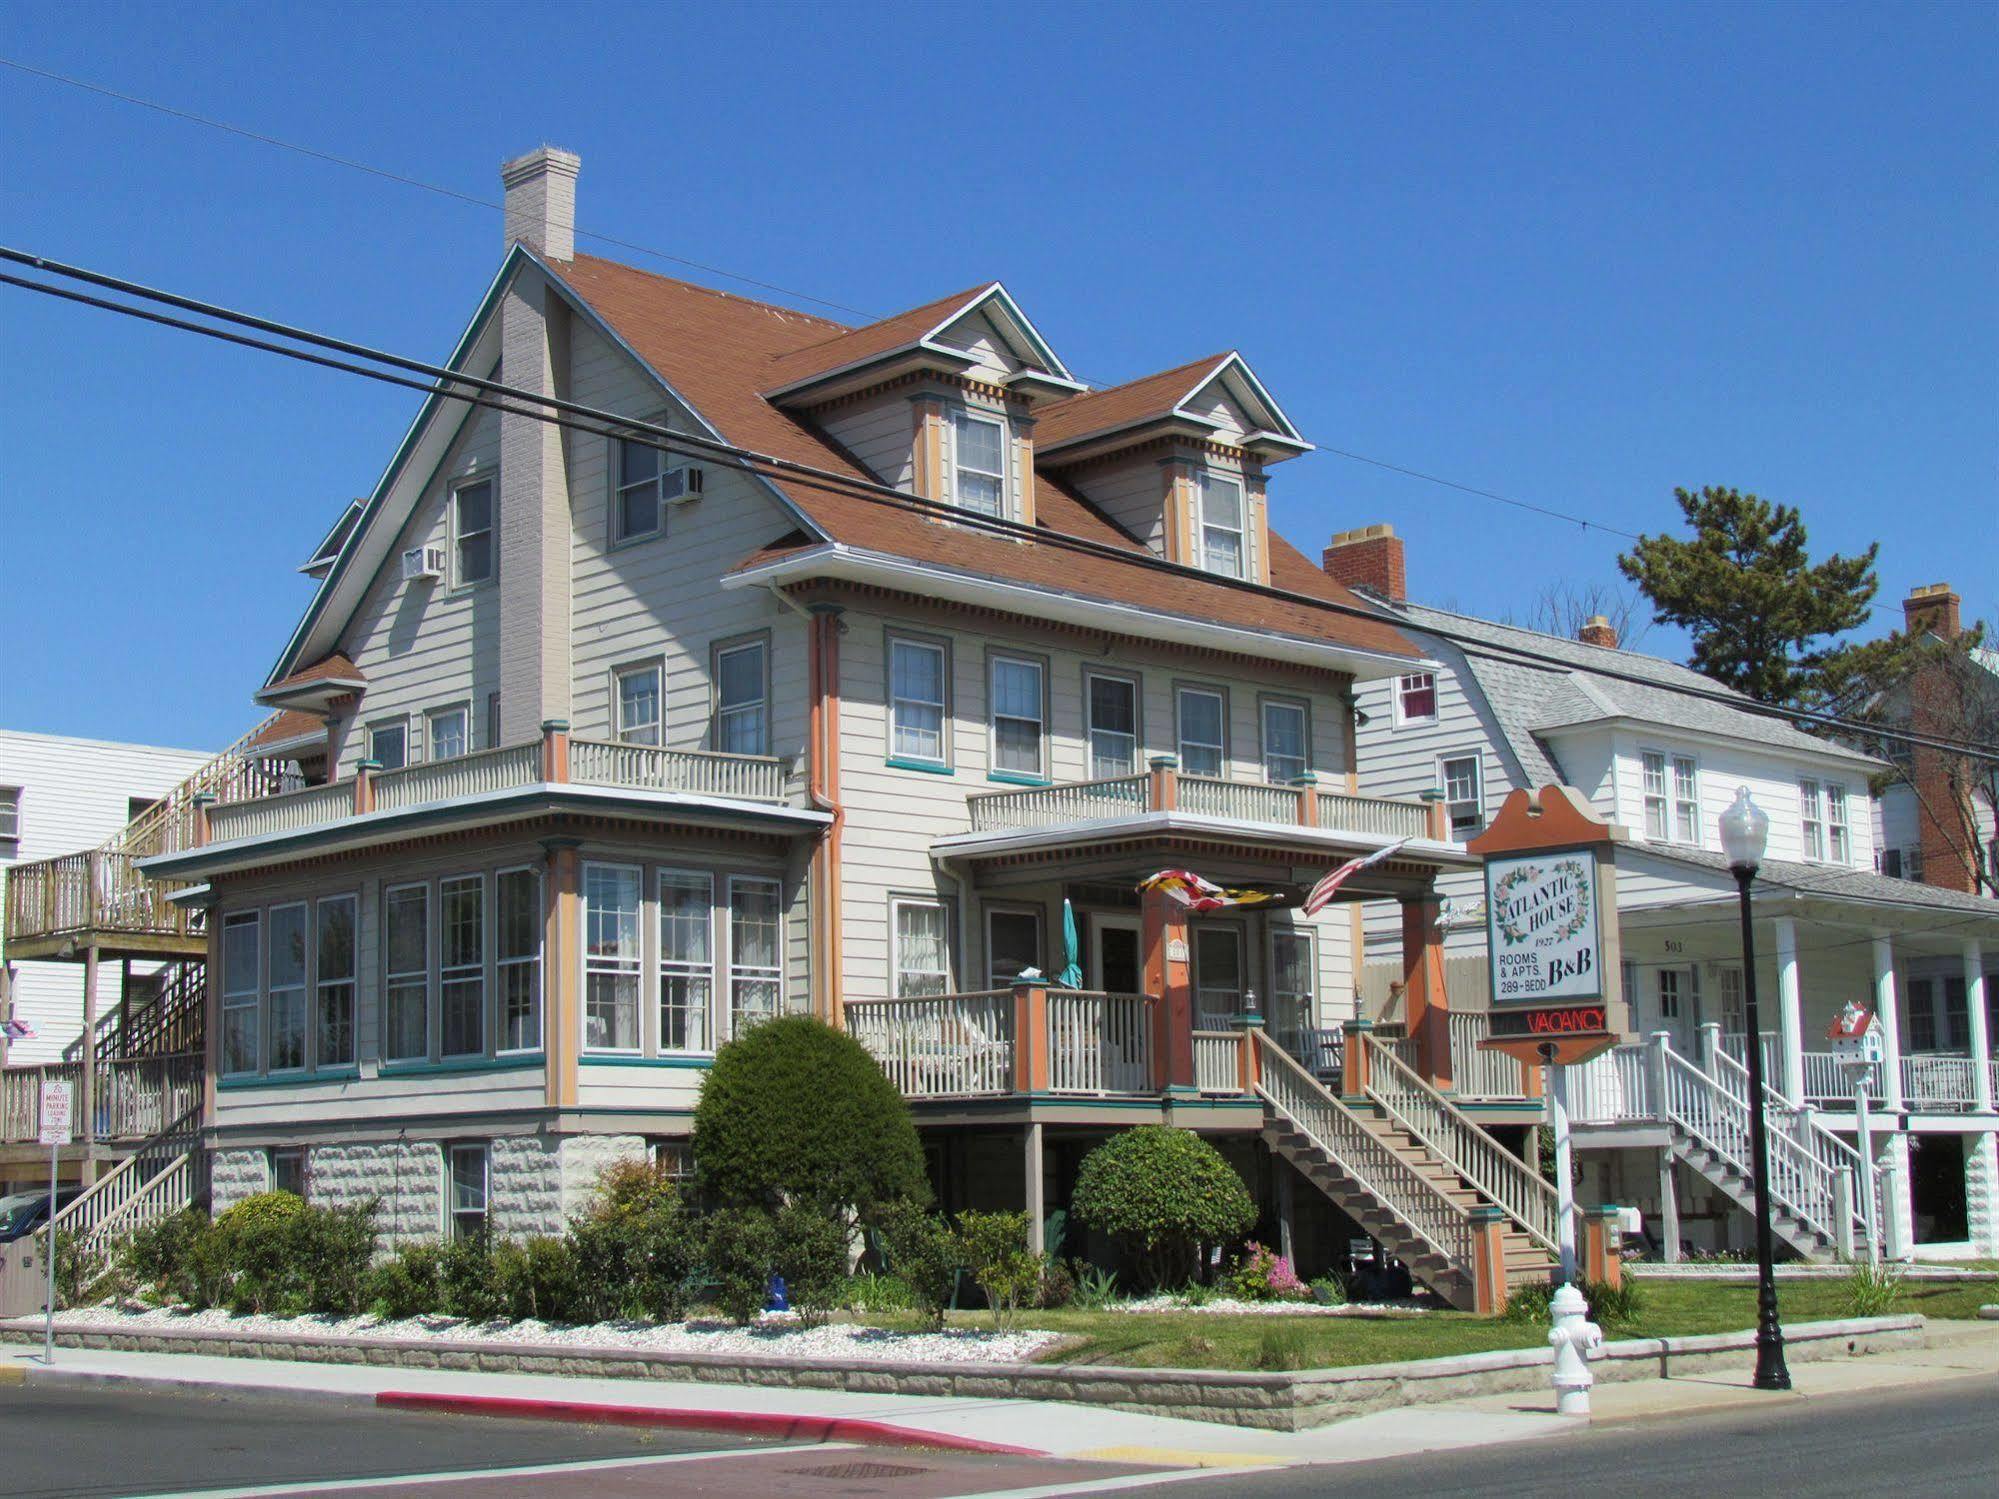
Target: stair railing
<point>158,1179</point>
<point>1806,1159</point>
<point>1493,1171</point>
<point>1417,1202</point>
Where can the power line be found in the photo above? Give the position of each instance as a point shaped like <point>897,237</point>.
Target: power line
<point>602,423</point>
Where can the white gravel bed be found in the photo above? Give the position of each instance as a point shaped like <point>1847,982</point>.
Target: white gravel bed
<point>775,1337</point>
<point>1229,1306</point>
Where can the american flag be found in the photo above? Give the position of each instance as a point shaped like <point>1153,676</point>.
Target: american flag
<point>1327,887</point>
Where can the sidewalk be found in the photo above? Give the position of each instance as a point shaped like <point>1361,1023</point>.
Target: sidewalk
<point>1958,1351</point>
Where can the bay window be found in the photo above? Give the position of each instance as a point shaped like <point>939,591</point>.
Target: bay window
<point>462,965</point>
<point>242,936</point>
<point>406,986</point>
<point>611,957</point>
<point>756,951</point>
<point>334,970</point>
<point>517,929</point>
<point>686,959</point>
<point>285,997</point>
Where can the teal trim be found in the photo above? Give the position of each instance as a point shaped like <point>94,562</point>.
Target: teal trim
<point>464,1064</point>
<point>1015,778</point>
<point>288,1079</point>
<point>1152,1101</point>
<point>701,1062</point>
<point>926,766</point>
<point>626,1110</point>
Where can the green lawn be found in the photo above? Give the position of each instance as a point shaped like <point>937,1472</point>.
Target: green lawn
<point>1194,1340</point>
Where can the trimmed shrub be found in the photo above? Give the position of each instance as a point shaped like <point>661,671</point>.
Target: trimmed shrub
<point>537,1278</point>
<point>249,1254</point>
<point>1058,1284</point>
<point>739,1253</point>
<point>406,1283</point>
<point>795,1111</point>
<point>923,1252</point>
<point>332,1249</point>
<point>467,1286</point>
<point>812,1258</point>
<point>158,1257</point>
<point>633,1251</point>
<point>1162,1193</point>
<point>993,1246</point>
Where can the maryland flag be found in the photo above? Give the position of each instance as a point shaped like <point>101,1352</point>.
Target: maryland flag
<point>1197,894</point>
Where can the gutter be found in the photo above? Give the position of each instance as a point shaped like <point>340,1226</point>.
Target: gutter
<point>1013,840</point>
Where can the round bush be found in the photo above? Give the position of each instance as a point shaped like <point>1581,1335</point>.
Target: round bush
<point>795,1111</point>
<point>247,1258</point>
<point>1162,1193</point>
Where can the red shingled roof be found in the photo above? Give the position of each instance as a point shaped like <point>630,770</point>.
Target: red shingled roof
<point>718,351</point>
<point>853,345</point>
<point>292,723</point>
<point>1121,405</point>
<point>335,665</point>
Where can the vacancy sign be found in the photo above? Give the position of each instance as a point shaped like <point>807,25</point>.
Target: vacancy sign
<point>1541,925</point>
<point>55,1114</point>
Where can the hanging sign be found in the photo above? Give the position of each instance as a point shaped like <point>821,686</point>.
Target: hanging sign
<point>1543,927</point>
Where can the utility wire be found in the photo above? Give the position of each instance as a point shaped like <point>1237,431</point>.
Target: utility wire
<point>598,422</point>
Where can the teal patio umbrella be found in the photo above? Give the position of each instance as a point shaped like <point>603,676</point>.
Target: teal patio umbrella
<point>1071,976</point>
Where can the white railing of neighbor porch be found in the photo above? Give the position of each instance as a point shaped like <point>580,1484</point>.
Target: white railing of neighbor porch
<point>1807,1161</point>
<point>1476,1072</point>
<point>645,767</point>
<point>1218,1061</point>
<point>461,775</point>
<point>1939,1082</point>
<point>1241,801</point>
<point>951,1046</point>
<point>1613,1087</point>
<point>1099,1043</point>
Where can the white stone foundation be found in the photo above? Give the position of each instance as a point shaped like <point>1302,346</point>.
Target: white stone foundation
<point>584,1157</point>
<point>1981,1191</point>
<point>405,1177</point>
<point>237,1174</point>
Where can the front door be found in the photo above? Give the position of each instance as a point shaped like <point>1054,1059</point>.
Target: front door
<point>1117,961</point>
<point>1676,1010</point>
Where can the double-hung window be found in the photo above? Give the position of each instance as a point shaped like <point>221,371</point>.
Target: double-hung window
<point>241,938</point>
<point>1686,800</point>
<point>1811,818</point>
<point>406,987</point>
<point>611,957</point>
<point>286,989</point>
<point>517,929</point>
<point>1284,739</point>
<point>472,531</point>
<point>742,718</point>
<point>1839,839</point>
<point>1203,744</point>
<point>1658,814</point>
<point>638,704</point>
<point>1464,801</point>
<point>635,508</point>
<point>916,673</point>
<point>450,733</point>
<point>979,480</point>
<point>1222,549</point>
<point>1017,715</point>
<point>10,820</point>
<point>470,1180</point>
<point>334,970</point>
<point>1112,703</point>
<point>1218,976</point>
<point>462,965</point>
<point>389,744</point>
<point>288,1170</point>
<point>1013,943</point>
<point>686,959</point>
<point>756,951</point>
<point>922,951</point>
<point>1293,994</point>
<point>1416,698</point>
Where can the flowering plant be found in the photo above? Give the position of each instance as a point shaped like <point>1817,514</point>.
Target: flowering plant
<point>1265,1275</point>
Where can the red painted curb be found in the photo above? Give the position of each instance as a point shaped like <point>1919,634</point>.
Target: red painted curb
<point>748,1423</point>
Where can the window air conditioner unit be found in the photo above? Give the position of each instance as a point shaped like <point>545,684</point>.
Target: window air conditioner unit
<point>420,563</point>
<point>682,485</point>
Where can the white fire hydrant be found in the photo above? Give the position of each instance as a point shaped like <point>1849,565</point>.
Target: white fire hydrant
<point>1573,1337</point>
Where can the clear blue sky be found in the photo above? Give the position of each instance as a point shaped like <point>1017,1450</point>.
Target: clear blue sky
<point>1576,255</point>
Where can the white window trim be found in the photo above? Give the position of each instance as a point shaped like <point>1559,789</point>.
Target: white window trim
<point>656,668</point>
<point>1039,666</point>
<point>1202,525</point>
<point>1285,704</point>
<point>1477,798</point>
<point>1137,736</point>
<point>1691,801</point>
<point>942,649</point>
<point>960,416</point>
<point>722,651</point>
<point>304,988</point>
<point>431,719</point>
<point>533,963</point>
<point>459,582</point>
<point>774,974</point>
<point>251,999</point>
<point>389,975</point>
<point>320,984</point>
<point>1401,719</point>
<point>896,905</point>
<point>1278,935</point>
<point>712,1021</point>
<point>1811,819</point>
<point>1011,908</point>
<point>1839,840</point>
<point>394,721</point>
<point>10,814</point>
<point>481,968</point>
<point>1181,741</point>
<point>614,505</point>
<point>584,960</point>
<point>451,1212</point>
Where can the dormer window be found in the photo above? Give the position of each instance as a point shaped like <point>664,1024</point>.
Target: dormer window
<point>979,464</point>
<point>1222,550</point>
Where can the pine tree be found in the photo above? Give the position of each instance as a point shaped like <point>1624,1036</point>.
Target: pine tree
<point>1758,609</point>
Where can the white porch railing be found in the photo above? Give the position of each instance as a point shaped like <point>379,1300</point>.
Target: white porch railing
<point>1053,806</point>
<point>1614,1087</point>
<point>1513,1186</point>
<point>1930,1081</point>
<point>1813,1172</point>
<point>748,778</point>
<point>1736,1044</point>
<point>1373,814</point>
<point>282,814</point>
<point>464,775</point>
<point>21,1097</point>
<point>1218,1061</point>
<point>1320,1049</point>
<point>1119,797</point>
<point>1241,801</point>
<point>1099,1043</point>
<point>1476,1072</point>
<point>950,1046</point>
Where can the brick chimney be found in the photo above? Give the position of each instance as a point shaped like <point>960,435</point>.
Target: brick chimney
<point>1597,630</point>
<point>541,202</point>
<point>1369,557</point>
<point>1933,609</point>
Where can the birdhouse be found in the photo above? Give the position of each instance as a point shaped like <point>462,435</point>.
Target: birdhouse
<point>1856,1039</point>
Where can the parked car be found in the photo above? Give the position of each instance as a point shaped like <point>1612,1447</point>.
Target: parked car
<point>23,1213</point>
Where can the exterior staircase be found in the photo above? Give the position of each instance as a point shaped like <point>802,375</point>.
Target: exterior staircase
<point>164,1174</point>
<point>1406,1165</point>
<point>167,1022</point>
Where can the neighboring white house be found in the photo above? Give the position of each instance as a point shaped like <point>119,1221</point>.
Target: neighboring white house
<point>62,796</point>
<point>1829,929</point>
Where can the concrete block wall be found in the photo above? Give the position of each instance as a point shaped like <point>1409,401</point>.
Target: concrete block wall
<point>237,1174</point>
<point>1981,1191</point>
<point>405,1177</point>
<point>583,1159</point>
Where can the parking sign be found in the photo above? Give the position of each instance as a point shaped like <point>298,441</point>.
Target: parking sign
<point>55,1114</point>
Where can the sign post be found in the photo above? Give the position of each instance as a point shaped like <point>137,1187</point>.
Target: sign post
<point>1856,1045</point>
<point>55,1135</point>
<point>1552,943</point>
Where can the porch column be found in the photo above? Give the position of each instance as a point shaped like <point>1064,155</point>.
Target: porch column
<point>561,968</point>
<point>1890,1015</point>
<point>1286,1208</point>
<point>1981,1033</point>
<point>1981,1151</point>
<point>1669,1208</point>
<point>87,1091</point>
<point>1037,1212</point>
<point>1425,1007</point>
<point>1898,1201</point>
<point>1790,1012</point>
<point>1169,975</point>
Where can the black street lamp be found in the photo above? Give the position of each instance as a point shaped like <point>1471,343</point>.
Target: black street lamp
<point>1745,832</point>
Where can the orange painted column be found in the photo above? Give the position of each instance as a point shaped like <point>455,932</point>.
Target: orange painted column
<point>555,751</point>
<point>1602,1240</point>
<point>823,771</point>
<point>364,786</point>
<point>1030,1038</point>
<point>1169,977</point>
<point>562,971</point>
<point>1488,1252</point>
<point>1424,1004</point>
<point>1353,1058</point>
